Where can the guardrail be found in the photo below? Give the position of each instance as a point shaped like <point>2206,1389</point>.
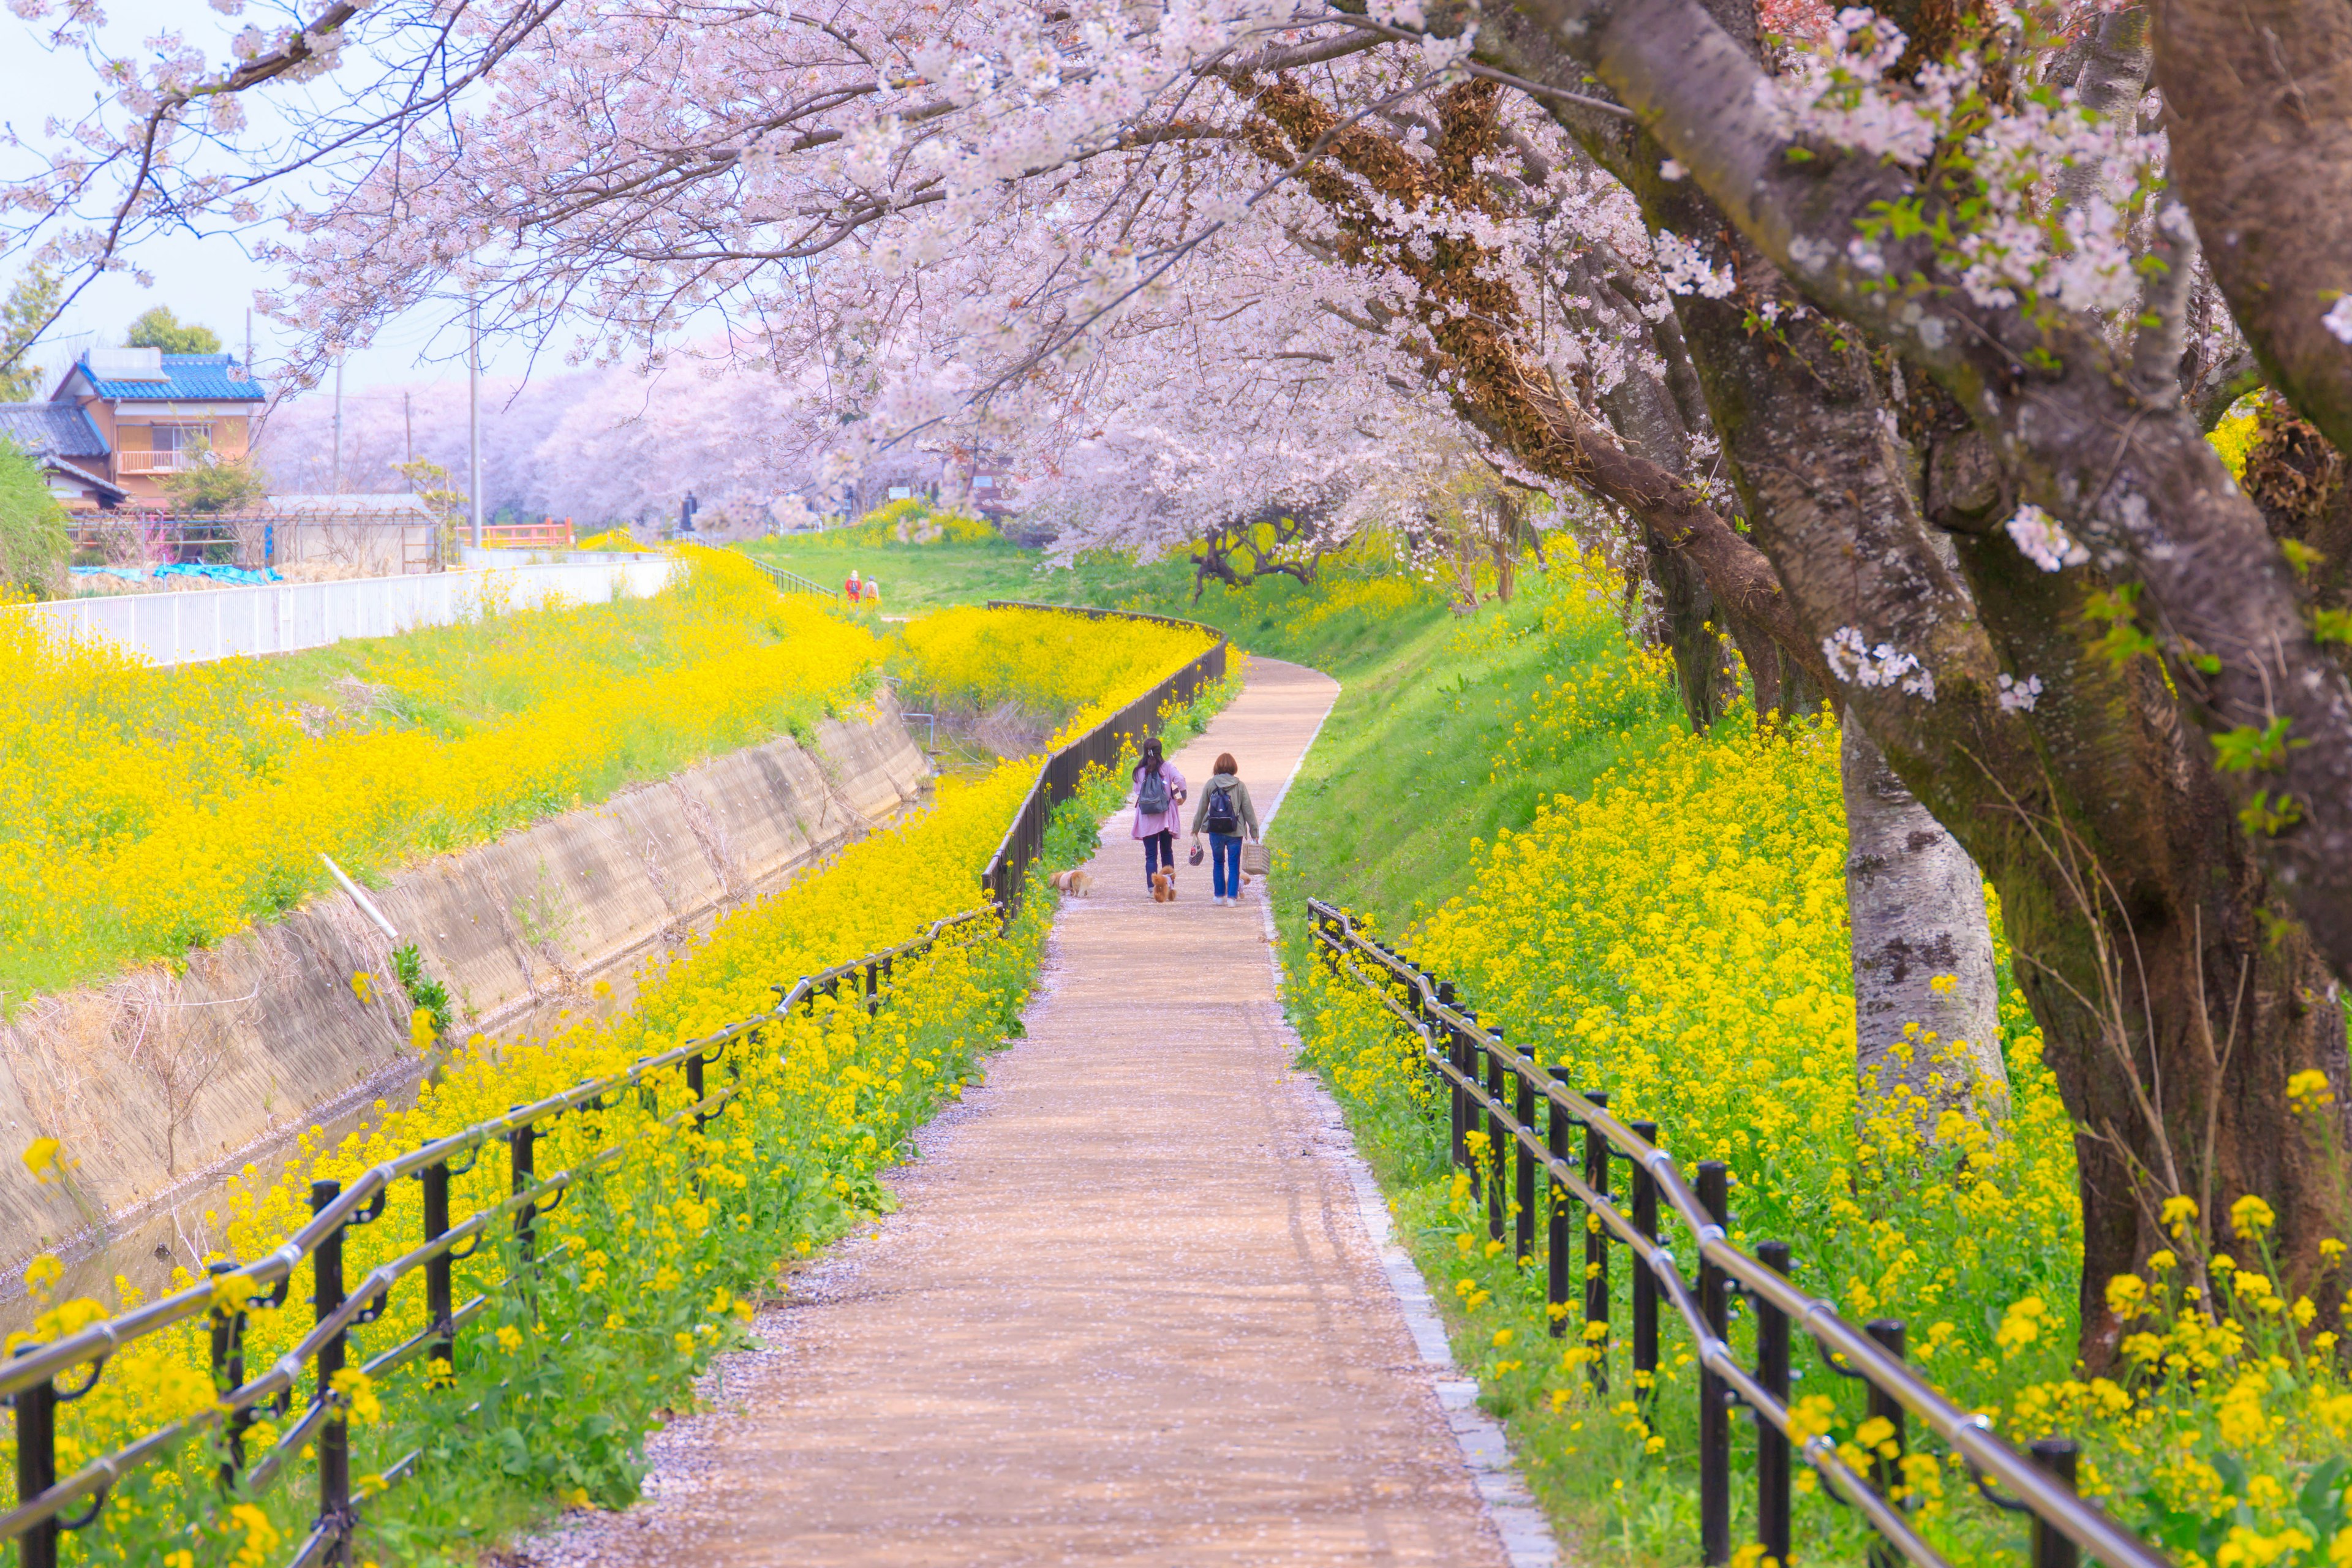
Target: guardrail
<point>1486,1078</point>
<point>29,1380</point>
<point>793,582</point>
<point>1058,775</point>
<point>549,535</point>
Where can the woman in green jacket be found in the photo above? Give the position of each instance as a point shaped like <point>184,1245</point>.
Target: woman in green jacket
<point>1225,810</point>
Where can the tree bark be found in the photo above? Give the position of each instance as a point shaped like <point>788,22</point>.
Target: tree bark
<point>1927,997</point>
<point>2258,107</point>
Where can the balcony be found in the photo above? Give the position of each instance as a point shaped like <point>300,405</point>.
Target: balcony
<point>127,462</point>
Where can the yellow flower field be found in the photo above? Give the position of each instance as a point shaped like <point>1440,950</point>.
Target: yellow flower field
<point>1678,939</point>
<point>1069,669</point>
<point>149,811</point>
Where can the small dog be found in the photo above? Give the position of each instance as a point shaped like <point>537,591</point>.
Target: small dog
<point>1076,884</point>
<point>1163,888</point>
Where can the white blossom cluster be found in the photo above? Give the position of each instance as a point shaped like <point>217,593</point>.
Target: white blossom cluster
<point>2018,696</point>
<point>2338,319</point>
<point>1685,270</point>
<point>1852,660</point>
<point>2044,540</point>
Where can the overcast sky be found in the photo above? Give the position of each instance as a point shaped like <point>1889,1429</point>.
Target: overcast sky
<point>210,280</point>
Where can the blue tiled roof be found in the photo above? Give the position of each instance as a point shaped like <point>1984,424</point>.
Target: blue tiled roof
<point>187,378</point>
<point>59,427</point>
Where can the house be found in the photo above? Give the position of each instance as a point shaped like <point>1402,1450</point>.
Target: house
<point>71,453</point>
<point>145,414</point>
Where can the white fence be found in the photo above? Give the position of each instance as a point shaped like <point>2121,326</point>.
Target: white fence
<point>279,617</point>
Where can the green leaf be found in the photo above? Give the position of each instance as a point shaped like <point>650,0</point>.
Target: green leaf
<point>2323,1497</point>
<point>2248,750</point>
<point>2269,815</point>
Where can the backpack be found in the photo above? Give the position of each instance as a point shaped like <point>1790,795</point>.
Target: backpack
<point>1222,816</point>
<point>1151,795</point>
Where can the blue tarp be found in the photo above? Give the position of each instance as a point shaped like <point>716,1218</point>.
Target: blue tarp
<point>236,575</point>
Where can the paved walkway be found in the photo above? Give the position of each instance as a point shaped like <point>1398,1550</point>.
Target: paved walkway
<point>1129,1313</point>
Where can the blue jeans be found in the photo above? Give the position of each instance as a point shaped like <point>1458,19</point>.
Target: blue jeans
<point>1225,856</point>
<point>1159,849</point>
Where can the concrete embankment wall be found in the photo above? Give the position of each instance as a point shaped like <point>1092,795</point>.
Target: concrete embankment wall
<point>160,1084</point>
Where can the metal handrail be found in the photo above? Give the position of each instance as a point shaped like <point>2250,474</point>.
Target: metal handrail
<point>788,581</point>
<point>1058,775</point>
<point>2051,1499</point>
<point>1097,613</point>
<point>27,1380</point>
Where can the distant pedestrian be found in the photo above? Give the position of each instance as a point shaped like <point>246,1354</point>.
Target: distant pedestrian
<point>874,593</point>
<point>850,590</point>
<point>1225,810</point>
<point>1159,796</point>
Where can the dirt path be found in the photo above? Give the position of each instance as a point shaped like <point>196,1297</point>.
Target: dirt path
<point>1129,1312</point>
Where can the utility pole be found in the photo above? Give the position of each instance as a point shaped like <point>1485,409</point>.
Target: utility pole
<point>249,340</point>
<point>338,421</point>
<point>408,422</point>
<point>474,404</point>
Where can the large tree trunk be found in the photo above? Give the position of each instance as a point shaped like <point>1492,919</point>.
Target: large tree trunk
<point>1926,995</point>
<point>1649,420</point>
<point>1685,610</point>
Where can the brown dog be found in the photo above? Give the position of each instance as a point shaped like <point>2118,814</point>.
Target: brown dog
<point>1076,884</point>
<point>1163,888</point>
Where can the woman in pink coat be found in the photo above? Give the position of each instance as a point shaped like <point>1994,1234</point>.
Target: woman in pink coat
<point>1159,799</point>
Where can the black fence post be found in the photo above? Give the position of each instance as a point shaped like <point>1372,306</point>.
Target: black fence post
<point>522,1158</point>
<point>1458,1054</point>
<point>694,1089</point>
<point>439,1303</point>
<point>1442,993</point>
<point>229,1372</point>
<point>37,1463</point>
<point>1596,1250</point>
<point>1557,1251</point>
<point>2055,1458</point>
<point>1497,1191</point>
<point>1714,1411</point>
<point>1646,1284</point>
<point>1885,1467</point>
<point>1474,1074</point>
<point>1771,1443</point>
<point>334,1432</point>
<point>1523,1111</point>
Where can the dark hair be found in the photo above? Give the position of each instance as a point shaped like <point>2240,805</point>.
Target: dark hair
<point>1225,764</point>
<point>1151,758</point>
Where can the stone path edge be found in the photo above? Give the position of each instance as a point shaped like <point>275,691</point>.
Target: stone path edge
<point>1521,1522</point>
